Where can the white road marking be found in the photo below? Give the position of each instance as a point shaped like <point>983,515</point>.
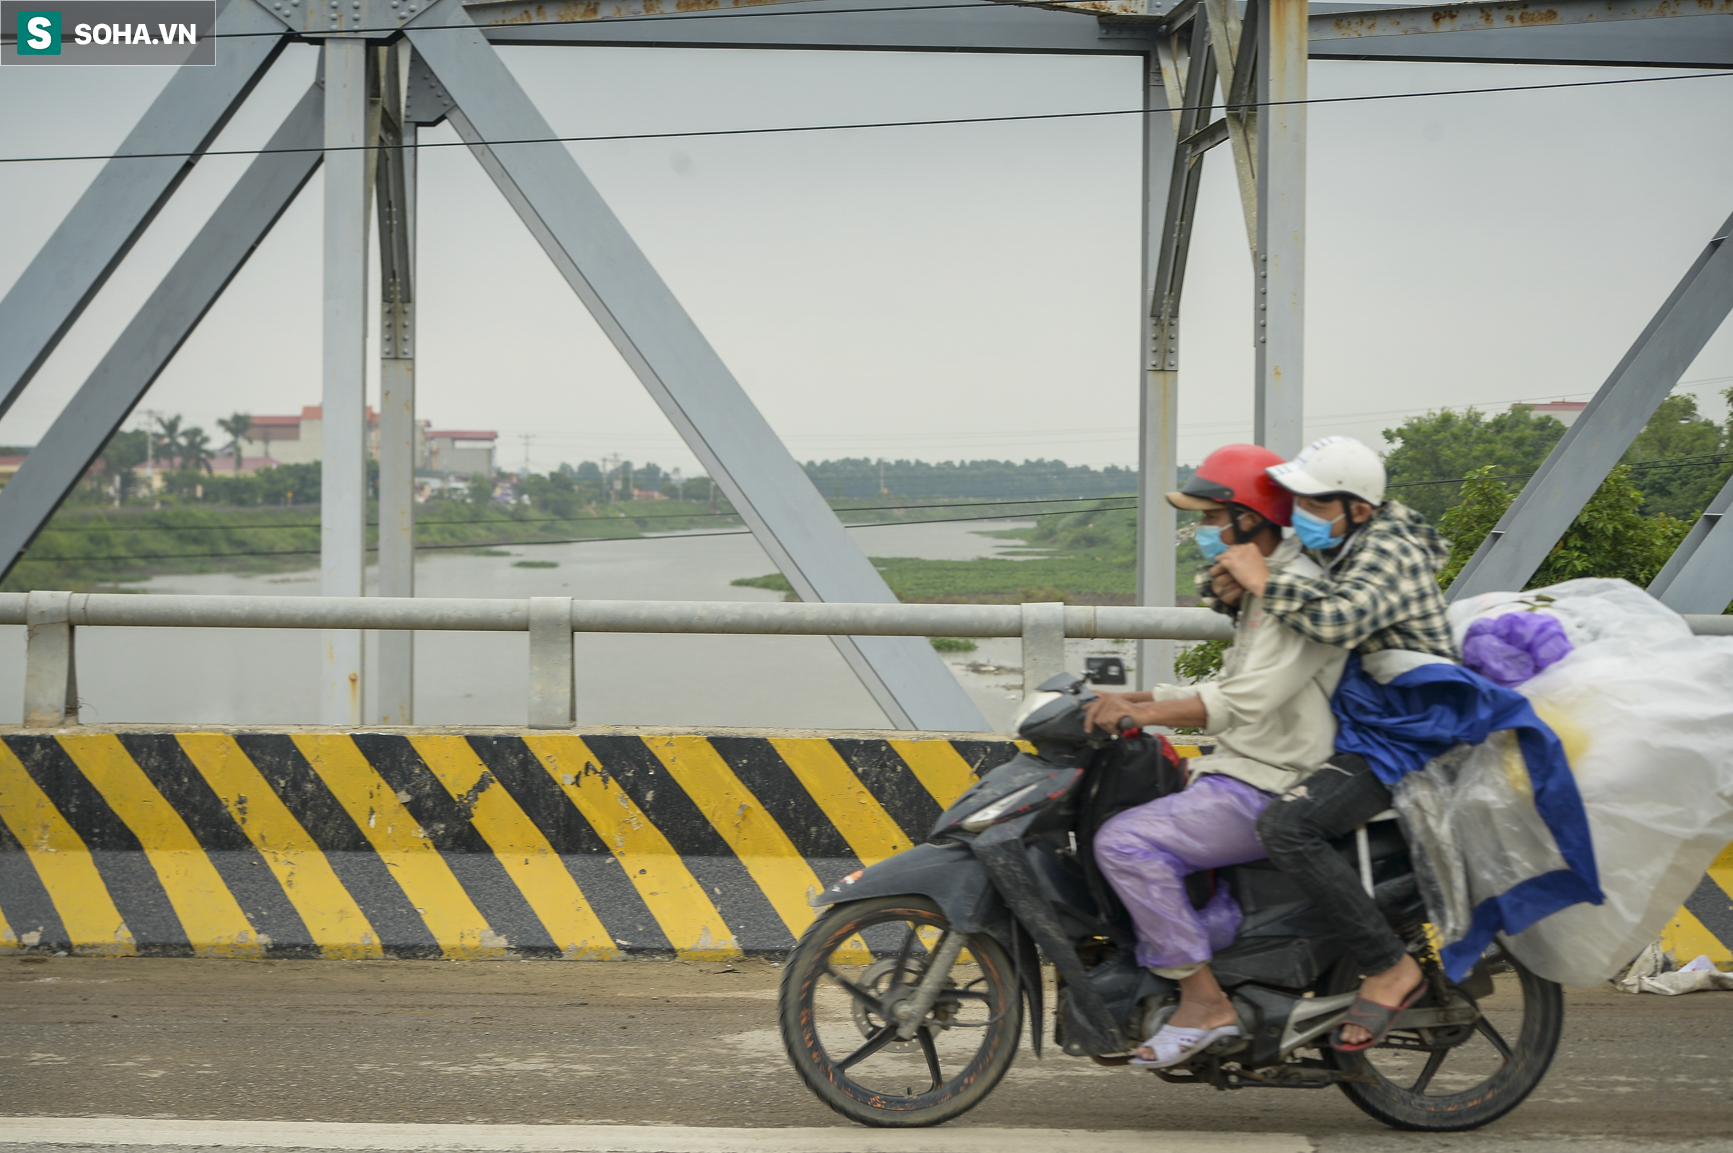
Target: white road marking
<point>622,1138</point>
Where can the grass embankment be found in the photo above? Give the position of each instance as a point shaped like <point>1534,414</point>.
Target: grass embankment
<point>86,548</point>
<point>1084,557</point>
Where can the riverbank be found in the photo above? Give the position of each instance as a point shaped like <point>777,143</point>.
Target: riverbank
<point>104,548</point>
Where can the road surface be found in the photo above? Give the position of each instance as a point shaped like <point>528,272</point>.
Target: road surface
<point>502,1044</point>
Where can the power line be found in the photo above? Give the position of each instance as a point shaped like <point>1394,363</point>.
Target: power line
<point>1673,462</point>
<point>1032,116</point>
<point>1670,462</point>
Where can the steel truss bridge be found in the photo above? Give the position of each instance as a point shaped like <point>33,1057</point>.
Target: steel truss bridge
<point>1216,71</point>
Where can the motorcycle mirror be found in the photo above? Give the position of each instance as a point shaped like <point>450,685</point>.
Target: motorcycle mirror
<point>1062,683</point>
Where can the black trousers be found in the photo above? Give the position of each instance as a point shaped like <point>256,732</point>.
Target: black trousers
<point>1296,830</point>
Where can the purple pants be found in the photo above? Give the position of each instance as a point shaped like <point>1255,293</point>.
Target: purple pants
<point>1146,852</point>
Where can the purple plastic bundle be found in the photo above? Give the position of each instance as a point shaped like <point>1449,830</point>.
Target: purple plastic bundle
<point>1511,648</point>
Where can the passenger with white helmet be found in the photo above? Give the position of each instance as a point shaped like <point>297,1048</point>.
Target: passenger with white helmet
<point>1377,595</point>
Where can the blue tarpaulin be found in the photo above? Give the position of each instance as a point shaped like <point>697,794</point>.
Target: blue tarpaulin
<point>1425,712</point>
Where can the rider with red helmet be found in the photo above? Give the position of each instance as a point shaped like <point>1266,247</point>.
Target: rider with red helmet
<point>1269,712</point>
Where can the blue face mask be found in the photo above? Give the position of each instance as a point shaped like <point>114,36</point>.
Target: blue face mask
<point>1313,531</point>
<point>1209,541</point>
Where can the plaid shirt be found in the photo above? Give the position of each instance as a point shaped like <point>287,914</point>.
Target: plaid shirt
<point>1380,593</point>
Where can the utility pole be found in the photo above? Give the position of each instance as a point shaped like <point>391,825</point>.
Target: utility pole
<point>527,437</point>
<point>610,483</point>
<point>151,416</point>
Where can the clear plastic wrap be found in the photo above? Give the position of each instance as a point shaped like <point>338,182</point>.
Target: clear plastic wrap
<point>1472,827</point>
<point>1645,712</point>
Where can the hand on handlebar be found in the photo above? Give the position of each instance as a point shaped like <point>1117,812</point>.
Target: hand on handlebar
<point>1110,712</point>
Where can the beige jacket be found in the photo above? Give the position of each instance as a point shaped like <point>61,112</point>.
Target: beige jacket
<point>1269,708</point>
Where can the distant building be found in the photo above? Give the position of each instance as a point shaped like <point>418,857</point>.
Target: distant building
<point>1563,411</point>
<point>9,466</point>
<point>444,458</point>
<point>298,439</point>
<point>460,452</point>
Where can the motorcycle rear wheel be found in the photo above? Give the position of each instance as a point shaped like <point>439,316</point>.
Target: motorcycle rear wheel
<point>1452,1088</point>
<point>845,1050</point>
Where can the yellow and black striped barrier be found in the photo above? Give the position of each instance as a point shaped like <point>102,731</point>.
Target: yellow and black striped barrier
<point>1704,927</point>
<point>308,843</point>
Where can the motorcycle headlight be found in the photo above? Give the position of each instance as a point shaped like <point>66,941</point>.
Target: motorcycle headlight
<point>987,815</point>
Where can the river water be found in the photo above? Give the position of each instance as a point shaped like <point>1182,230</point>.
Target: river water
<point>270,676</point>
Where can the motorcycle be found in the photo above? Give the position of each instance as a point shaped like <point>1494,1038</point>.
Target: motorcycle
<point>903,1005</point>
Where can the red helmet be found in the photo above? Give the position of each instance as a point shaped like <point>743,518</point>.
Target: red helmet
<point>1236,475</point>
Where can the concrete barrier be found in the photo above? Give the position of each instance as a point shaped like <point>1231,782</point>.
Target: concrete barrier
<point>439,843</point>
<point>1704,927</point>
<point>599,844</point>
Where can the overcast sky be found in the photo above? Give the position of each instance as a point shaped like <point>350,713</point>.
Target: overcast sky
<point>954,292</point>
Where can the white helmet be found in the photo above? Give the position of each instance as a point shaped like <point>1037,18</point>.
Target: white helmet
<point>1336,464</point>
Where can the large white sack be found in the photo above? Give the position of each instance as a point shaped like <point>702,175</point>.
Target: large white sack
<point>1645,712</point>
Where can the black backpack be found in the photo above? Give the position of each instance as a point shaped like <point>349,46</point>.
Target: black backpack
<point>1134,770</point>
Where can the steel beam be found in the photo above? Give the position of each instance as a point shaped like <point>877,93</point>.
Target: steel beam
<point>1280,286</point>
<point>1590,447</point>
<point>889,26</point>
<point>1167,185</point>
<point>343,425</point>
<point>1235,56</point>
<point>1524,15</point>
<point>125,196</point>
<point>701,398</point>
<point>1698,577</point>
<point>159,328</point>
<point>1695,42</point>
<point>1578,36</point>
<point>394,695</point>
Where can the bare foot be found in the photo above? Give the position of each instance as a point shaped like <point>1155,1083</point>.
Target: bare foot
<point>1390,987</point>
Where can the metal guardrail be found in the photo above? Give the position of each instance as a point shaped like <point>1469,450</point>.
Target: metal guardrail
<point>51,677</point>
<point>51,681</point>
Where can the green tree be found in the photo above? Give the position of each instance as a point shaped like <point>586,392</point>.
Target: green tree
<point>1449,445</point>
<point>123,452</point>
<point>195,450</point>
<point>1678,430</point>
<point>237,425</point>
<point>166,441</point>
<point>555,494</point>
<point>1610,538</point>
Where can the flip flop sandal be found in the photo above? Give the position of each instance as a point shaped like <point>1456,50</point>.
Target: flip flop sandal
<point>1173,1045</point>
<point>1375,1018</point>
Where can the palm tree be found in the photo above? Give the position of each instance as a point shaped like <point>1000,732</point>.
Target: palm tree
<point>168,437</point>
<point>196,449</point>
<point>237,426</point>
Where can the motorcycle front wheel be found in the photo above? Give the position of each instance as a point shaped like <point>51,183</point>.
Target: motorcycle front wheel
<point>838,1006</point>
<point>1467,1077</point>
